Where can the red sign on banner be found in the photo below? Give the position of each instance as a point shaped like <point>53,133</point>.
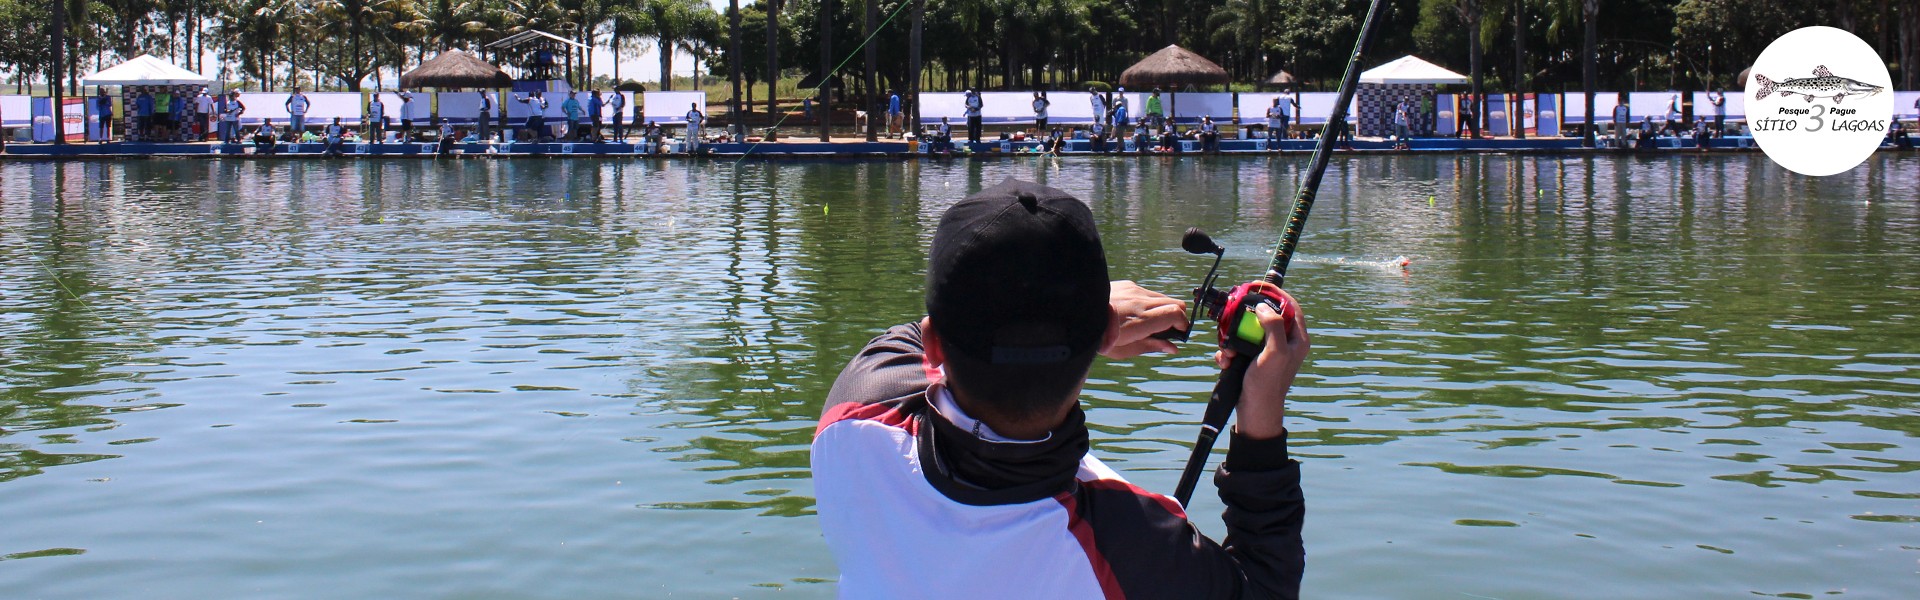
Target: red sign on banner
<point>73,119</point>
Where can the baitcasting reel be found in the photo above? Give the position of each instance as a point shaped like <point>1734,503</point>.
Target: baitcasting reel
<point>1230,309</point>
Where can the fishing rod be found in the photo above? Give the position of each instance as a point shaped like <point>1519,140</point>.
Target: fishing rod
<point>1238,331</point>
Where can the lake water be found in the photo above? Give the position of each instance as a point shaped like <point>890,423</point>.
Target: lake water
<point>1678,377</point>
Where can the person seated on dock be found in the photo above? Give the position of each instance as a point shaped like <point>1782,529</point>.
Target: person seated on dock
<point>1142,139</point>
<point>943,138</point>
<point>1169,139</point>
<point>447,137</point>
<point>265,139</point>
<point>1056,142</point>
<point>656,138</point>
<point>1701,137</point>
<point>336,137</point>
<point>1646,138</point>
<point>1897,135</point>
<point>1209,135</point>
<point>1097,138</point>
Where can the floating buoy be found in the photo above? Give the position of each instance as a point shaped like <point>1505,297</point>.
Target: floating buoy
<point>1429,200</point>
<point>824,208</point>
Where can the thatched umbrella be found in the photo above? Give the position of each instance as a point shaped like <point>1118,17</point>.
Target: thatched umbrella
<point>1173,67</point>
<point>1282,80</point>
<point>456,69</point>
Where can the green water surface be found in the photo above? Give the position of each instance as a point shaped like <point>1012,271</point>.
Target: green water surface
<point>1671,377</point>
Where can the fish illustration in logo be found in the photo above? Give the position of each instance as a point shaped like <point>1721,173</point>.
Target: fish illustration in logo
<point>1823,83</point>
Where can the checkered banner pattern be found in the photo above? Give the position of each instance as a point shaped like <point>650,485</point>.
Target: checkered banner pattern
<point>1376,102</point>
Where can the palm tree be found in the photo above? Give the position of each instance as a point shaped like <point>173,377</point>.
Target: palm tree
<point>669,23</point>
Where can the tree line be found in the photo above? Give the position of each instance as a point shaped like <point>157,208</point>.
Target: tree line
<point>1529,45</point>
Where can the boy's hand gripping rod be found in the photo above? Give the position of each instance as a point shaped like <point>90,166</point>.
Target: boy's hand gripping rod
<point>1237,332</point>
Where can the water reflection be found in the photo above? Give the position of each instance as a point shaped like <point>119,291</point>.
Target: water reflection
<point>1706,331</point>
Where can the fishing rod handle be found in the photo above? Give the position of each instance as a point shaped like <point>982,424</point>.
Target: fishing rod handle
<point>1226,395</point>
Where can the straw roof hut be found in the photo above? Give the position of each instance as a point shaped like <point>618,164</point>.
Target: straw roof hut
<point>1281,80</point>
<point>1173,67</point>
<point>456,69</point>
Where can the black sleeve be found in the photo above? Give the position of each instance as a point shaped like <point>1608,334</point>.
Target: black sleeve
<point>1153,551</point>
<point>888,368</point>
<point>1265,509</point>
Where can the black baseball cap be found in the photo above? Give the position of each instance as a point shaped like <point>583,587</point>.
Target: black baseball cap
<point>1017,276</point>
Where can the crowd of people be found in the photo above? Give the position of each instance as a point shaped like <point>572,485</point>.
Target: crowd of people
<point>161,113</point>
<point>165,114</point>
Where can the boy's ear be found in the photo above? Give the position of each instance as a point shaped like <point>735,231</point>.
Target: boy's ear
<point>930,338</point>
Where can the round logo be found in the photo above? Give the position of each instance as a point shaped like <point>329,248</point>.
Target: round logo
<point>1819,101</point>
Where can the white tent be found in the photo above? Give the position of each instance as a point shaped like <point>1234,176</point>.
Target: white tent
<point>1411,70</point>
<point>145,70</point>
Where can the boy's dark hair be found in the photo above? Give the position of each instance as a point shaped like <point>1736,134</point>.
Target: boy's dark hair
<point>1017,290</point>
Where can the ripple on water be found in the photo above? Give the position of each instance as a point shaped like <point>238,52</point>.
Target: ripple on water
<point>531,373</point>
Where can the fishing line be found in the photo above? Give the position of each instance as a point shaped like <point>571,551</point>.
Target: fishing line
<point>826,109</point>
<point>63,285</point>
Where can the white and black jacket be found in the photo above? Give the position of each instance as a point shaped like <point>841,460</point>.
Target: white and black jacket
<point>918,500</point>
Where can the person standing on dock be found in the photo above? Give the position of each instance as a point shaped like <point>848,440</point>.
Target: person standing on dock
<point>1622,118</point>
<point>376,119</point>
<point>570,108</point>
<point>297,105</point>
<point>973,116</point>
<point>536,115</point>
<point>485,118</point>
<point>1099,103</point>
<point>230,118</point>
<point>1277,120</point>
<point>1673,124</point>
<point>103,116</point>
<point>203,116</point>
<point>1040,104</point>
<point>616,104</point>
<point>1120,117</point>
<point>1719,99</point>
<point>1401,116</point>
<point>895,122</point>
<point>162,115</point>
<point>142,116</point>
<point>406,116</point>
<point>1155,116</point>
<point>594,105</point>
<point>1425,116</point>
<point>182,118</point>
<point>695,119</point>
<point>1469,115</point>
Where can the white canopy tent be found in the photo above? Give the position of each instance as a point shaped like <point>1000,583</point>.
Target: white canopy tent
<point>145,70</point>
<point>1410,69</point>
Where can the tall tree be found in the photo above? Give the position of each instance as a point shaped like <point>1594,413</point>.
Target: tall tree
<point>773,57</point>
